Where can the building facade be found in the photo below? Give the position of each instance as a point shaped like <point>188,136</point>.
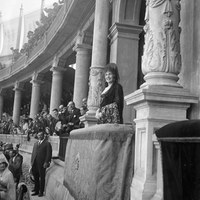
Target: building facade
<point>155,45</point>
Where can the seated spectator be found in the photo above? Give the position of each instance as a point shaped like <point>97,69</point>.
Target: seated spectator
<point>25,126</point>
<point>72,119</point>
<point>55,113</point>
<point>84,104</point>
<point>51,123</point>
<point>83,110</point>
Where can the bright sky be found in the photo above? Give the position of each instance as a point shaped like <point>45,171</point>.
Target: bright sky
<point>11,8</point>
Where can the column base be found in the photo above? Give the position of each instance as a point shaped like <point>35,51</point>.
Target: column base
<point>89,119</point>
<point>161,78</point>
<point>142,189</point>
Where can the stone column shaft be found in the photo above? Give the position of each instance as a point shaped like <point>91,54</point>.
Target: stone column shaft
<point>99,54</point>
<point>83,59</point>
<point>17,103</point>
<point>35,98</point>
<point>56,87</point>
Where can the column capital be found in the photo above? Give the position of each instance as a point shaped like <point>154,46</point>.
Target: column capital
<point>58,65</point>
<point>125,31</point>
<point>58,62</point>
<point>18,86</point>
<point>83,48</point>
<point>58,69</point>
<point>37,78</point>
<point>84,37</point>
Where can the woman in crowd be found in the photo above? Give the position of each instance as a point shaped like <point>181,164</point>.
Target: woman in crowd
<point>112,98</point>
<point>7,184</point>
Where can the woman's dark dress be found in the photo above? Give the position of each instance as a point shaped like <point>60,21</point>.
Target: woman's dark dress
<point>113,95</point>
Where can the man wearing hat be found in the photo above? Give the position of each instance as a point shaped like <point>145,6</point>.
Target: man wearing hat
<point>15,164</point>
<point>40,161</point>
<point>6,150</point>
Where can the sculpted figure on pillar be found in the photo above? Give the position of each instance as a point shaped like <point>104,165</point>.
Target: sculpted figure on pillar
<point>162,38</point>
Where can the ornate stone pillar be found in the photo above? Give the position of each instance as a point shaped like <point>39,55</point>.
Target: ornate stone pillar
<point>161,62</point>
<point>155,107</point>
<point>1,102</point>
<point>99,58</point>
<point>18,88</point>
<point>160,100</point>
<point>56,86</point>
<point>124,52</point>
<point>83,59</point>
<point>35,96</point>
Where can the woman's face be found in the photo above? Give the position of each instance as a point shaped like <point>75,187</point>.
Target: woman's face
<point>2,166</point>
<point>109,77</point>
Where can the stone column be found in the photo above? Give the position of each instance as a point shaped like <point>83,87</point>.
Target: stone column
<point>159,172</point>
<point>35,96</point>
<point>83,58</point>
<point>1,103</point>
<point>17,102</point>
<point>99,58</point>
<point>160,100</point>
<point>124,52</point>
<point>56,86</point>
<point>161,62</point>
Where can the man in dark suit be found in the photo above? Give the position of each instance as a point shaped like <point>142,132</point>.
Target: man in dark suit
<point>15,164</point>
<point>40,161</point>
<point>72,118</point>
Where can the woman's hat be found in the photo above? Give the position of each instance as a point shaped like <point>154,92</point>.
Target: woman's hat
<point>8,146</point>
<point>3,159</point>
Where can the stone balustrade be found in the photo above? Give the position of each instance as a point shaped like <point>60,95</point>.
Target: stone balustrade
<point>26,146</point>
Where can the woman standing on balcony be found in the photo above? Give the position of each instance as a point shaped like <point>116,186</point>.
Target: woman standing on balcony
<point>112,98</point>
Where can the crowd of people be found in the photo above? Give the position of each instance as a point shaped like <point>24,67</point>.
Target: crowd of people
<point>61,121</point>
<point>12,186</point>
<point>64,119</point>
<point>10,172</point>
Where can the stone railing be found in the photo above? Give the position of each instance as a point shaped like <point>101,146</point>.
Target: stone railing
<point>28,145</point>
<point>55,25</point>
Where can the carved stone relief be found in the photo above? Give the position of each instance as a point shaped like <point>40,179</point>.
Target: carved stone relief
<point>162,38</point>
<point>96,85</point>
